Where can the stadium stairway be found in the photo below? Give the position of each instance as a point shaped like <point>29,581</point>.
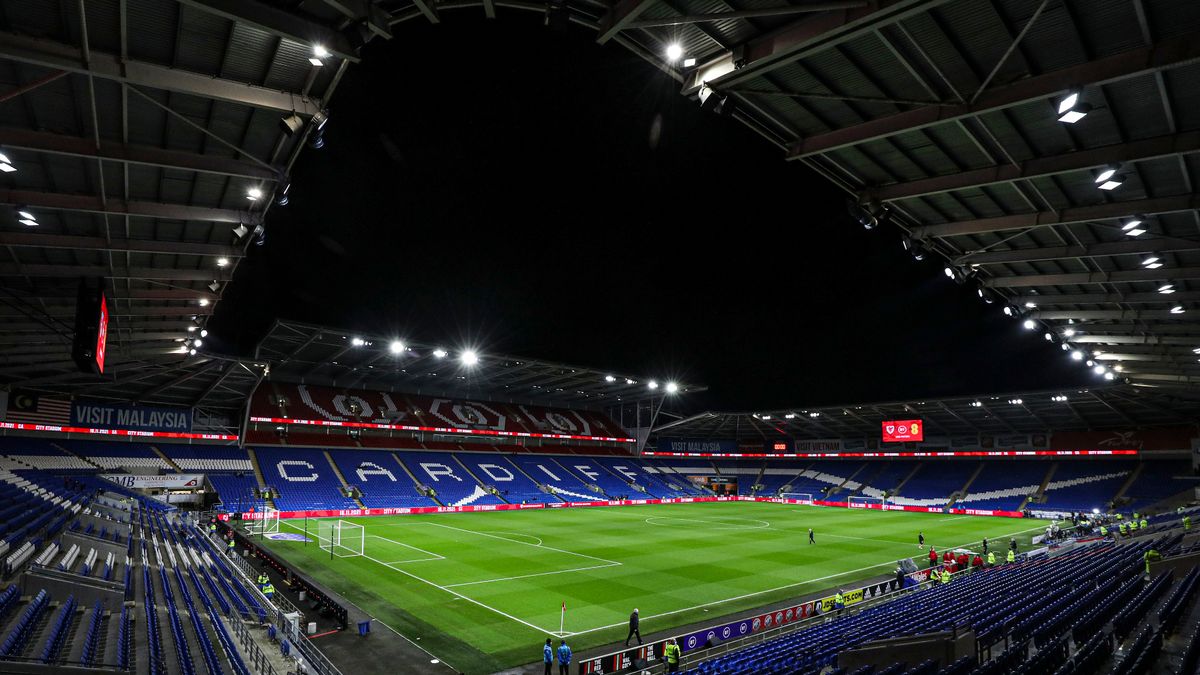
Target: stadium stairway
<point>1040,495</point>
<point>482,485</point>
<point>258,474</point>
<point>338,472</point>
<point>170,462</point>
<point>965,490</point>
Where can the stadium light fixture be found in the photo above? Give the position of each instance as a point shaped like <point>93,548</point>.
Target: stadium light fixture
<point>1107,173</point>
<point>1166,289</point>
<point>1099,369</point>
<point>790,416</point>
<point>396,347</point>
<point>1178,309</point>
<point>439,353</point>
<point>319,52</point>
<point>357,341</point>
<point>1077,355</point>
<point>1071,109</point>
<point>27,215</point>
<point>674,52</point>
<point>1016,401</point>
<point>197,343</point>
<point>1070,332</point>
<point>1030,305</point>
<point>609,378</point>
<point>204,332</point>
<point>1095,511</point>
<point>1109,376</point>
<point>222,262</point>
<point>764,417</point>
<point>192,352</point>
<point>254,194</point>
<point>1030,324</point>
<point>949,272</point>
<point>672,387</point>
<point>689,62</point>
<point>1008,310</point>
<point>214,286</point>
<point>28,222</point>
<point>241,231</point>
<point>814,414</point>
<point>6,165</point>
<point>469,357</point>
<point>203,302</point>
<point>1150,261</point>
<point>192,329</point>
<point>653,384</point>
<point>976,404</point>
<point>1049,337</point>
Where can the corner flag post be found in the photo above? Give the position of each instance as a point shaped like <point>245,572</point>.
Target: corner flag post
<point>562,618</point>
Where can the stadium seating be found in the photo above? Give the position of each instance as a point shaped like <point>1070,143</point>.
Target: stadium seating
<point>208,458</point>
<point>495,470</point>
<point>453,484</point>
<point>381,480</point>
<point>1158,480</point>
<point>109,455</point>
<point>629,469</point>
<point>1082,486</point>
<point>933,483</point>
<point>1004,485</point>
<point>779,474</point>
<point>546,471</point>
<point>882,477</point>
<point>36,453</point>
<point>303,479</point>
<point>1089,582</point>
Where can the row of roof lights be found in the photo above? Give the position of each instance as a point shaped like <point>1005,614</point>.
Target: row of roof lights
<point>1075,353</point>
<point>1070,110</point>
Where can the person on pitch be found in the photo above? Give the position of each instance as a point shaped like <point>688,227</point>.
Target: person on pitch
<point>921,540</point>
<point>633,627</point>
<point>811,540</point>
<point>564,658</point>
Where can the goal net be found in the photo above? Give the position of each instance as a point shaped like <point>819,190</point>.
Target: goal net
<point>268,524</point>
<point>805,497</point>
<point>864,502</point>
<point>341,538</point>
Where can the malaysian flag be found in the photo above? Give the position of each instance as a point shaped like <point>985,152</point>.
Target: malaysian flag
<point>33,409</point>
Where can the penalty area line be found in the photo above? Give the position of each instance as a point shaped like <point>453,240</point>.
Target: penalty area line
<point>448,590</point>
<point>526,576</point>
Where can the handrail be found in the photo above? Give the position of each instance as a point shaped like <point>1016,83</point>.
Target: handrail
<point>259,660</point>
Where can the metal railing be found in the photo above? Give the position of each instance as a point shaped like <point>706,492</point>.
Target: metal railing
<point>255,657</point>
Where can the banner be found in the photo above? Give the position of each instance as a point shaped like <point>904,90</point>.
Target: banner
<point>685,445</point>
<point>174,481</point>
<point>130,417</point>
<point>1171,438</point>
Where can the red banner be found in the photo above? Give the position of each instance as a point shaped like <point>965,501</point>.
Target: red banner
<point>929,453</point>
<point>900,431</point>
<point>474,508</point>
<point>19,426</point>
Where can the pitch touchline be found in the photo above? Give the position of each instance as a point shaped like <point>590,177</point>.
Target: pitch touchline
<point>769,590</point>
<point>443,588</point>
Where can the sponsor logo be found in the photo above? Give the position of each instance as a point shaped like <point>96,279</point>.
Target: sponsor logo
<point>287,536</point>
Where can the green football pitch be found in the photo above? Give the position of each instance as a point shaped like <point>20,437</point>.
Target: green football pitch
<point>482,591</point>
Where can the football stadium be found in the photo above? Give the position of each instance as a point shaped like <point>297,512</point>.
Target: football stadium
<point>345,337</point>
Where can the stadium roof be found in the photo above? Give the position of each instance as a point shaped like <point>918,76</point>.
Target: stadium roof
<point>1119,406</point>
<point>311,354</point>
<point>137,129</point>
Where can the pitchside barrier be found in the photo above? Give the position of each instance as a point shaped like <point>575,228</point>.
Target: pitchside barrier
<point>716,640</point>
<point>473,508</point>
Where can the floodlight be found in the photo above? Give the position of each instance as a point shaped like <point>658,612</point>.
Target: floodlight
<point>653,384</point>
<point>469,357</point>
<point>397,347</point>
<point>1030,324</point>
<point>609,378</point>
<point>439,353</point>
<point>674,52</point>
<point>254,193</point>
<point>672,387</point>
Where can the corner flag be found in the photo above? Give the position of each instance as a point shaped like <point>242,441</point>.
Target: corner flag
<point>562,618</point>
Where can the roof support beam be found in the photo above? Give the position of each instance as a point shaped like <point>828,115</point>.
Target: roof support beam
<point>1148,148</point>
<point>785,10</point>
<point>618,18</point>
<point>1126,247</point>
<point>1091,278</point>
<point>1078,214</point>
<point>73,146</point>
<point>1169,53</point>
<point>1106,298</point>
<point>819,31</point>
<point>39,240</point>
<point>1107,315</point>
<point>120,207</point>
<point>76,271</point>
<point>59,56</point>
<point>1192,342</point>
<point>280,23</point>
<point>115,312</point>
<point>1136,330</point>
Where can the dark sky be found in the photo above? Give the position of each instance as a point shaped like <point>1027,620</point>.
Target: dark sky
<point>533,193</point>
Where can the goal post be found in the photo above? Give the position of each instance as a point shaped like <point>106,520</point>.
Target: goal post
<point>267,524</point>
<point>805,497</point>
<point>341,538</point>
<point>864,502</point>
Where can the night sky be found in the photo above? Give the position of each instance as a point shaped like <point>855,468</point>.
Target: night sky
<point>497,184</point>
